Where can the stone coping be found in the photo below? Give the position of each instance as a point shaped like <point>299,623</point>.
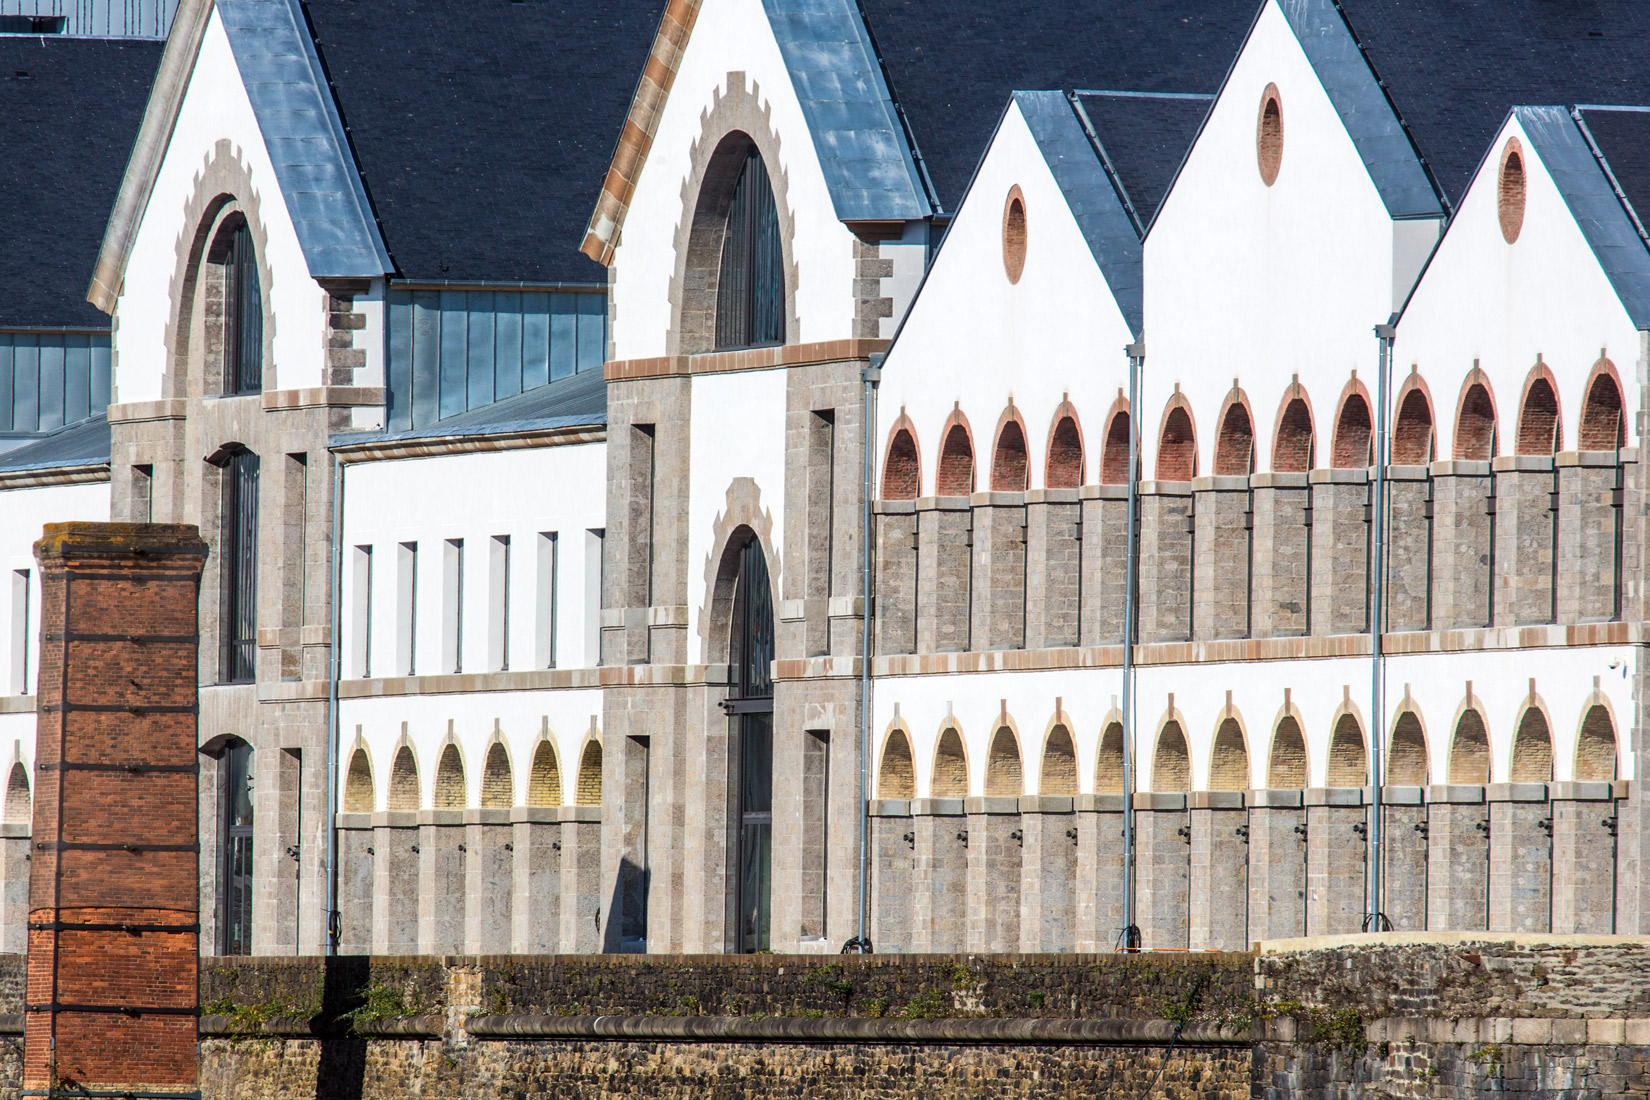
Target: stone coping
<point>1448,939</point>
<point>768,1029</point>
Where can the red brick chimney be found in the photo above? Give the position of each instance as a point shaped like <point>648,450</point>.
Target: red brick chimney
<point>114,900</point>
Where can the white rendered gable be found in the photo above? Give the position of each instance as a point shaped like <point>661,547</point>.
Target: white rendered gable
<point>1260,284</point>
<point>1502,306</point>
<point>215,108</point>
<point>729,36</point>
<point>975,341</point>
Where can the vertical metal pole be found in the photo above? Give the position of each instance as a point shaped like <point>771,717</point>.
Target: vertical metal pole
<point>1130,939</point>
<point>333,924</point>
<point>872,375</point>
<point>1374,920</point>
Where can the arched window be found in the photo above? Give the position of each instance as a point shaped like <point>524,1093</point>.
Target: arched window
<point>750,694</point>
<point>750,291</point>
<point>243,314</point>
<point>235,873</point>
<point>238,566</point>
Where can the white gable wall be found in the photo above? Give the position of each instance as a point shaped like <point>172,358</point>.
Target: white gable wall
<point>1503,305</point>
<point>974,340</point>
<point>728,36</point>
<point>215,107</point>
<point>1262,283</point>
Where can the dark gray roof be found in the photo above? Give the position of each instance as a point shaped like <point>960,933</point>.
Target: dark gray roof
<point>82,444</point>
<point>951,66</point>
<point>1622,136</point>
<point>305,138</point>
<point>484,128</point>
<point>1075,164</point>
<point>1454,68</point>
<point>1145,137</point>
<point>1586,188</point>
<point>65,131</point>
<point>856,131</point>
<point>575,401</point>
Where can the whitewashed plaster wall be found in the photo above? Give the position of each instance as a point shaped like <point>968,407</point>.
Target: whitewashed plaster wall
<point>568,718</point>
<point>728,36</point>
<point>974,340</point>
<point>1502,306</point>
<point>475,497</point>
<point>738,431</point>
<point>1262,283</point>
<point>1436,685</point>
<point>215,107</point>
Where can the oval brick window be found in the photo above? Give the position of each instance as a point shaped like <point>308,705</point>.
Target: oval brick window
<point>1510,193</point>
<point>1269,135</point>
<point>1014,234</point>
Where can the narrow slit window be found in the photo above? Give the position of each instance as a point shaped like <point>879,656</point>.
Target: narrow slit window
<point>21,631</point>
<point>361,613</point>
<point>243,316</point>
<point>594,540</point>
<point>498,603</point>
<point>406,609</point>
<point>547,605</point>
<point>452,606</point>
<point>240,566</point>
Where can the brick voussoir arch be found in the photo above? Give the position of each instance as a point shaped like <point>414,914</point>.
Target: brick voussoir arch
<point>1114,444</point>
<point>902,468</point>
<point>1235,438</point>
<point>1476,420</point>
<point>1540,414</point>
<point>1177,440</point>
<point>1588,433</point>
<point>1063,466</point>
<point>954,470</point>
<point>1010,453</point>
<point>1414,424</point>
<point>1353,445</point>
<point>1294,433</point>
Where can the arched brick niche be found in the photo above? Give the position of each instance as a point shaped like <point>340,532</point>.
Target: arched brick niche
<point>1229,758</point>
<point>954,477</point>
<point>1292,446</point>
<point>1004,774</point>
<point>1064,468</point>
<point>896,776</point>
<point>1412,434</point>
<point>902,469</point>
<point>1114,452</point>
<point>1108,761</point>
<point>1286,763</point>
<point>1407,760</point>
<point>1235,442</point>
<point>1009,467</point>
<point>1475,428</point>
<point>1596,745</point>
<point>1469,751</point>
<point>1540,428</point>
<point>1603,428</point>
<point>1058,774</point>
<point>1353,434</point>
<point>1172,760</point>
<point>1348,757</point>
<point>950,778</point>
<point>1177,443</point>
<point>1532,751</point>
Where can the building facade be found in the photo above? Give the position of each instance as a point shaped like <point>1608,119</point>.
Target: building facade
<point>850,480</point>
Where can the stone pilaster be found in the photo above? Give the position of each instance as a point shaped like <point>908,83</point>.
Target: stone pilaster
<point>581,879</point>
<point>1099,877</point>
<point>1458,845</point>
<point>1219,871</point>
<point>1277,865</point>
<point>1409,548</point>
<point>1337,854</point>
<point>1048,873</point>
<point>995,858</point>
<point>1221,557</point>
<point>1054,568</point>
<point>1525,538</point>
<point>441,882</point>
<point>1166,553</point>
<point>893,859</point>
<point>535,871</point>
<point>395,886</point>
<point>1340,551</point>
<point>896,566</point>
<point>1282,555</point>
<point>355,884</point>
<point>945,537</point>
<point>1521,857</point>
<point>939,875</point>
<point>1589,520</point>
<point>1461,544</point>
<point>1105,562</point>
<point>1584,858</point>
<point>1404,858</point>
<point>998,604</point>
<point>489,882</point>
<point>1163,846</point>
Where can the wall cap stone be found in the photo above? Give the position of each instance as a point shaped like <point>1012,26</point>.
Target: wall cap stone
<point>1516,792</point>
<point>1334,796</point>
<point>1276,799</point>
<point>1046,804</point>
<point>936,807</point>
<point>1300,944</point>
<point>991,804</point>
<point>1216,800</point>
<point>1581,792</point>
<point>1458,793</point>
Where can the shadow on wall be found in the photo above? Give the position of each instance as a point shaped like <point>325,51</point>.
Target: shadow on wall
<point>341,1073</point>
<point>627,921</point>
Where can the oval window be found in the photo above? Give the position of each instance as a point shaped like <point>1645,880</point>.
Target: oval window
<point>1510,194</point>
<point>1014,234</point>
<point>1269,135</point>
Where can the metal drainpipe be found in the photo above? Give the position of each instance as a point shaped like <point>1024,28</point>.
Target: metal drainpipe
<point>1130,938</point>
<point>871,376</point>
<point>334,664</point>
<point>1375,920</point>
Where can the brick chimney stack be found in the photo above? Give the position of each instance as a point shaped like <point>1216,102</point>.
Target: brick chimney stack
<point>114,900</point>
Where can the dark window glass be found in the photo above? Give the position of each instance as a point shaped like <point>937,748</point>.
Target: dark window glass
<point>240,566</point>
<point>243,316</point>
<point>751,663</point>
<point>750,291</point>
<point>235,917</point>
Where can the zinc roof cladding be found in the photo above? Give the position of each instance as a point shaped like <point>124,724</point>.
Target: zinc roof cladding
<point>1598,212</point>
<point>575,401</point>
<point>66,132</point>
<point>304,137</point>
<point>85,443</point>
<point>484,128</point>
<point>1454,68</point>
<point>856,131</point>
<point>1073,161</point>
<point>952,66</point>
<point>1146,137</point>
<point>1622,136</point>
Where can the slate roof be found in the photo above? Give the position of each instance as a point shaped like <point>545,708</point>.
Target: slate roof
<point>579,400</point>
<point>66,131</point>
<point>1623,137</point>
<point>1454,68</point>
<point>484,128</point>
<point>1146,137</point>
<point>951,66</point>
<point>85,443</point>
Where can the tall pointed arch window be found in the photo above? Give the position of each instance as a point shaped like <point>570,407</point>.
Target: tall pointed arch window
<point>235,899</point>
<point>243,315</point>
<point>239,566</point>
<point>751,706</point>
<point>750,290</point>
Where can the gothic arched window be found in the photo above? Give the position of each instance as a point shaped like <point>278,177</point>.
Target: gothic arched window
<point>751,705</point>
<point>243,315</point>
<point>750,291</point>
<point>235,907</point>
